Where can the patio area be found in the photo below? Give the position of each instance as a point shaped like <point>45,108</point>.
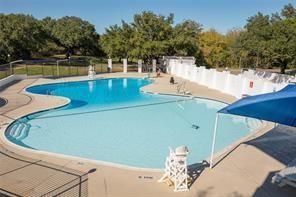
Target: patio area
<point>245,170</point>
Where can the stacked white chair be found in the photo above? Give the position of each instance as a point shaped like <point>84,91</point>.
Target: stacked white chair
<point>91,72</point>
<point>176,169</point>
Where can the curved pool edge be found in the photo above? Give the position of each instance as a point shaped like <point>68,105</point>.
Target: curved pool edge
<point>40,154</point>
<point>266,126</point>
<point>37,154</point>
<point>49,156</point>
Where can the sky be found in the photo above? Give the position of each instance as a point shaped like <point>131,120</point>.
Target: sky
<point>222,15</point>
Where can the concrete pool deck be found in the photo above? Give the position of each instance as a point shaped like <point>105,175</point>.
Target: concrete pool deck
<point>246,171</point>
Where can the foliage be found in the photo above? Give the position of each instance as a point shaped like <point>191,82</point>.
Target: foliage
<point>20,36</point>
<point>213,46</point>
<point>270,40</point>
<point>116,41</point>
<point>151,36</point>
<point>185,38</point>
<point>265,41</point>
<point>75,33</point>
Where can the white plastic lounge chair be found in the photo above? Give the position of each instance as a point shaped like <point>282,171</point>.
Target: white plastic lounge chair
<point>286,176</point>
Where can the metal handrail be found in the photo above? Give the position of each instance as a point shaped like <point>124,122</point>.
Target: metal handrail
<point>180,86</point>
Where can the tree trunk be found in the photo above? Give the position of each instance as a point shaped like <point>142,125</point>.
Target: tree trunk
<point>283,68</point>
<point>257,61</point>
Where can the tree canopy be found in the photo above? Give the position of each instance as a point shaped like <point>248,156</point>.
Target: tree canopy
<point>265,40</point>
<point>270,40</point>
<point>151,36</point>
<point>22,36</point>
<point>75,33</point>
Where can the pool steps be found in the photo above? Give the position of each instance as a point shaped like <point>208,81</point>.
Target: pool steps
<point>20,130</point>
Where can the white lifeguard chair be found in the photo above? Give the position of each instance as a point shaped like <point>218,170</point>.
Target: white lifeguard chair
<point>91,72</point>
<point>176,169</point>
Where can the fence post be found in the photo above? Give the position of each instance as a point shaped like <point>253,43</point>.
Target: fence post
<point>58,73</point>
<point>109,65</point>
<point>52,71</point>
<point>42,69</point>
<point>154,65</point>
<point>10,66</point>
<point>125,65</point>
<point>27,72</point>
<point>139,66</point>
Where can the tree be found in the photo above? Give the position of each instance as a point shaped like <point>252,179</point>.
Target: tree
<point>214,48</point>
<point>185,38</point>
<point>270,41</point>
<point>257,36</point>
<point>151,37</point>
<point>51,44</point>
<point>74,33</point>
<point>282,48</point>
<point>289,11</point>
<point>116,42</point>
<point>20,36</point>
<point>235,52</point>
<point>238,49</point>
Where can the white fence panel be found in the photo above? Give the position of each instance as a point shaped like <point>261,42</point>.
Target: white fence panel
<point>249,83</point>
<point>220,81</point>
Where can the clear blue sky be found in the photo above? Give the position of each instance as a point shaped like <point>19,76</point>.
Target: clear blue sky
<point>219,14</point>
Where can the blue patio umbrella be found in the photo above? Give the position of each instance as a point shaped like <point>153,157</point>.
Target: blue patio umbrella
<point>278,107</point>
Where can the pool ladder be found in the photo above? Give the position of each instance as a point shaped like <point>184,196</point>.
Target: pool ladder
<point>181,88</point>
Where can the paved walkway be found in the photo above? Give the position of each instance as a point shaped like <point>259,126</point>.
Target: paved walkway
<point>22,176</point>
<point>9,93</point>
<point>246,171</point>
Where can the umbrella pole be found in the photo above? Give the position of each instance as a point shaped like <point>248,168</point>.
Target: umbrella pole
<point>214,140</point>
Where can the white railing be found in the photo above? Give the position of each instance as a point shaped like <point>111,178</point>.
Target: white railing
<point>235,85</point>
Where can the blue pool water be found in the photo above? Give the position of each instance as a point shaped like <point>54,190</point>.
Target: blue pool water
<point>112,120</point>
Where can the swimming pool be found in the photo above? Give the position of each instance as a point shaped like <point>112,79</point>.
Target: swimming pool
<point>112,120</point>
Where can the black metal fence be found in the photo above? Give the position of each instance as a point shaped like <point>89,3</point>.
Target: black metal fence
<point>5,71</point>
<point>55,68</point>
<point>65,67</point>
<point>22,176</point>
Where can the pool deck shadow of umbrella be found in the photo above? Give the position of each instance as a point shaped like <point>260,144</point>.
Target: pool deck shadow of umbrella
<point>280,144</point>
<point>273,190</point>
<point>195,170</point>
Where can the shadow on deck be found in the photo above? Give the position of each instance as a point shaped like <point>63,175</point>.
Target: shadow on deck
<point>279,143</point>
<point>20,176</point>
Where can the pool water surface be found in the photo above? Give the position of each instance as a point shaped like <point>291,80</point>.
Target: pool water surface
<point>112,120</point>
